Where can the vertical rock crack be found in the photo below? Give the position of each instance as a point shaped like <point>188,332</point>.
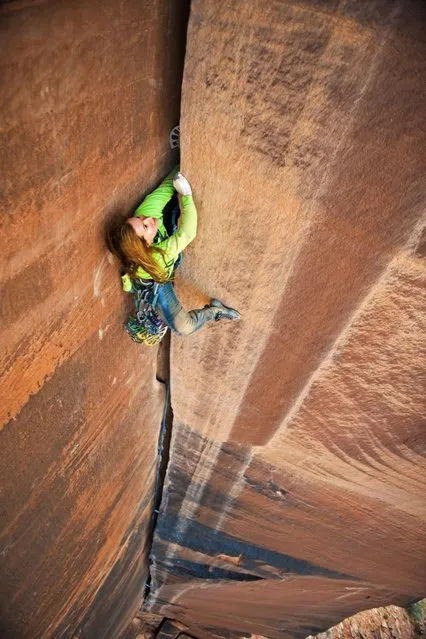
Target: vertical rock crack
<point>163,448</point>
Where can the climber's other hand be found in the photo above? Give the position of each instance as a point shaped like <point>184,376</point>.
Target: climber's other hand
<point>182,185</point>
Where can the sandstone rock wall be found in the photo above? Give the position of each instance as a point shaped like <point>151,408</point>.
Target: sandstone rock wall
<point>90,90</point>
<point>296,486</point>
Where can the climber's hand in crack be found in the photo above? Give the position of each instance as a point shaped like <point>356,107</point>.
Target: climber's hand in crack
<point>182,185</point>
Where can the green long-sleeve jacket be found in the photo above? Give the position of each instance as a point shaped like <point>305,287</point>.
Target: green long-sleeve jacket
<point>153,206</point>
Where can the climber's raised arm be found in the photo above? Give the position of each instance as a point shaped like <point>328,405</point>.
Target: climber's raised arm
<point>154,203</point>
<point>187,229</point>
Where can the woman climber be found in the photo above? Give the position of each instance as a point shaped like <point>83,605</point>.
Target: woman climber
<point>149,254</point>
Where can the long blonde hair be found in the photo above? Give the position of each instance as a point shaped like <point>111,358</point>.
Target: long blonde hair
<point>133,252</point>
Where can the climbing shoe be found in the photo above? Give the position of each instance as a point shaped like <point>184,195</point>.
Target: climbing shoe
<point>224,312</point>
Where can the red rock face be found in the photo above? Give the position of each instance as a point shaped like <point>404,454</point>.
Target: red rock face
<point>295,489</point>
<point>295,493</point>
<point>90,91</point>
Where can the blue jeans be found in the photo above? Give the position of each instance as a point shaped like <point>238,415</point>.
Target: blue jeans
<point>174,315</point>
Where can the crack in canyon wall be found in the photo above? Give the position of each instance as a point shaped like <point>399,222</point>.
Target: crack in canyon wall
<point>290,493</point>
<point>298,448</point>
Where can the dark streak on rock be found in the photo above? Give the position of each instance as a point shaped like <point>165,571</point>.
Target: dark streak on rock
<point>196,570</point>
<point>201,538</point>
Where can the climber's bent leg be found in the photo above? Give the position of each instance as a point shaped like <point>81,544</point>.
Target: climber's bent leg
<point>175,316</point>
<point>189,322</point>
<point>183,322</point>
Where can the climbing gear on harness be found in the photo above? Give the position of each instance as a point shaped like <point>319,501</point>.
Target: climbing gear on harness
<point>224,312</point>
<point>146,327</point>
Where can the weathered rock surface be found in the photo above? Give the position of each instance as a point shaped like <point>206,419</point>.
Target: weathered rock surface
<point>378,623</point>
<point>295,488</point>
<point>90,90</point>
<point>295,493</point>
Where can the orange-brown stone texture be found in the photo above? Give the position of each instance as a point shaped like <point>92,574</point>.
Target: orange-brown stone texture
<point>89,92</point>
<point>295,493</point>
<point>295,489</point>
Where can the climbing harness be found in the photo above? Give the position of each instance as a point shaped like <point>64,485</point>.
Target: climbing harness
<point>145,327</point>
